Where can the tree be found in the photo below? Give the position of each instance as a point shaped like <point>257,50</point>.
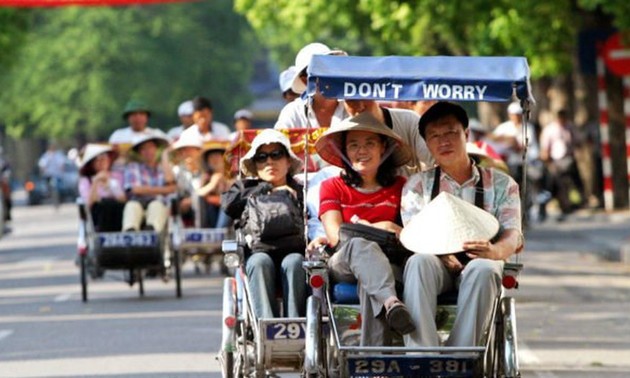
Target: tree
<point>539,30</point>
<point>79,66</point>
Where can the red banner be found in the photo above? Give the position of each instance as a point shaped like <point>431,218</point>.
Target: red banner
<point>87,3</point>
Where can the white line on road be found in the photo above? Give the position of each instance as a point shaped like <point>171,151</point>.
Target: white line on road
<point>4,333</point>
<point>37,260</point>
<point>62,297</point>
<point>527,357</point>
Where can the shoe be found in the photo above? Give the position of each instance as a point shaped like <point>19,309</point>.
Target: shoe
<point>399,318</point>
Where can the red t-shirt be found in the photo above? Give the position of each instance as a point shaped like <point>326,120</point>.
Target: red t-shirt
<point>383,205</point>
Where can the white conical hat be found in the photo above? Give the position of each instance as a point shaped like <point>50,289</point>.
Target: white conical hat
<point>445,224</point>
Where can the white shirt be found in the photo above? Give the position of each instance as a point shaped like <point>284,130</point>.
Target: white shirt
<point>126,135</point>
<point>52,163</point>
<point>219,132</point>
<point>294,115</point>
<point>557,141</point>
<point>174,133</point>
<point>405,125</point>
<point>514,157</point>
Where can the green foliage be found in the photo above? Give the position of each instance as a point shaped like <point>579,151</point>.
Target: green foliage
<point>544,32</point>
<point>13,25</point>
<point>79,66</point>
<point>619,10</point>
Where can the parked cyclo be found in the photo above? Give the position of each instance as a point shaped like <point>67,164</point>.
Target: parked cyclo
<point>120,230</point>
<point>326,341</point>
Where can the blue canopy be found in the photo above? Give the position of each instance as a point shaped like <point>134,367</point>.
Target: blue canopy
<point>406,78</point>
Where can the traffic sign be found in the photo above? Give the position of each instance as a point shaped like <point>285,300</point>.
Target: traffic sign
<point>617,55</point>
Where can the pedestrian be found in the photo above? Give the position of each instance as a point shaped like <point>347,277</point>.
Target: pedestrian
<point>557,142</point>
<point>321,111</point>
<point>367,192</point>
<point>205,127</point>
<point>185,112</point>
<point>444,127</point>
<point>51,165</point>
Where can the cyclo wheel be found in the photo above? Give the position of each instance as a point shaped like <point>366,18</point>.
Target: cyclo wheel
<point>314,364</point>
<point>177,265</point>
<point>140,279</point>
<point>84,274</point>
<point>508,353</point>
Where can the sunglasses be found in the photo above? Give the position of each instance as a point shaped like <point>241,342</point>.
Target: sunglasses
<point>274,155</point>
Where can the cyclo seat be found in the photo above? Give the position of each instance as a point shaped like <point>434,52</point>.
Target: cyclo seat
<point>346,293</point>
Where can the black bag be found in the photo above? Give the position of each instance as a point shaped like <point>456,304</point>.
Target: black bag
<point>270,218</point>
<point>389,243</point>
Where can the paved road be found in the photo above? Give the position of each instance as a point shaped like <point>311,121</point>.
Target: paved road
<point>572,308</point>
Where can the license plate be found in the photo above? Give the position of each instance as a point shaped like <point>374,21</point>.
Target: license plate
<point>286,331</point>
<point>411,366</point>
<point>207,236</point>
<point>128,239</point>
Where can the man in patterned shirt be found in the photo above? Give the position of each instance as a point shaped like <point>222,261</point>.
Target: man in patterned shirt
<point>477,272</point>
<point>147,182</point>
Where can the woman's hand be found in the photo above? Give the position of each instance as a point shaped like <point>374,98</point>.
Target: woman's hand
<point>315,244</point>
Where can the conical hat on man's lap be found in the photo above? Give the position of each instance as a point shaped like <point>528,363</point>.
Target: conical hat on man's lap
<point>445,224</point>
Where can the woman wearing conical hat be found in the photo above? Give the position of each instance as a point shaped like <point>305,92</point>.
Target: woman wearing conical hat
<point>458,252</point>
<point>368,192</point>
<point>101,191</point>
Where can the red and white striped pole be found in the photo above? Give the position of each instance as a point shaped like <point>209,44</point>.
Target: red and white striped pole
<point>626,113</point>
<point>604,132</point>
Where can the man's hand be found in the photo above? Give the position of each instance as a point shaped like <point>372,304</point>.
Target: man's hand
<point>482,249</point>
<point>315,244</point>
<point>451,263</point>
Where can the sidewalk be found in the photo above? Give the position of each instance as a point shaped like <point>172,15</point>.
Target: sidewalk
<point>606,234</point>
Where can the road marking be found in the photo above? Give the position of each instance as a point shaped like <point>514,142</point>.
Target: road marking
<point>527,357</point>
<point>38,260</point>
<point>62,297</point>
<point>4,333</point>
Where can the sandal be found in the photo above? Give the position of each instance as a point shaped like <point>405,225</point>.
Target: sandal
<point>399,318</point>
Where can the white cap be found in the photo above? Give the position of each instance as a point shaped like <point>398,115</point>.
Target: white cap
<point>243,113</point>
<point>285,80</point>
<point>515,108</point>
<point>188,140</point>
<point>158,138</point>
<point>185,108</point>
<point>445,224</point>
<point>302,61</point>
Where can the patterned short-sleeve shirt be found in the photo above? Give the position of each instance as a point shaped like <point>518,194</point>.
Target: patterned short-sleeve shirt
<point>500,194</point>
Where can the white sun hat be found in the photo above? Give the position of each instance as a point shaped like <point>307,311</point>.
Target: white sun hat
<point>268,136</point>
<point>160,140</point>
<point>444,225</point>
<point>303,59</point>
<point>188,140</point>
<point>285,80</point>
<point>92,150</point>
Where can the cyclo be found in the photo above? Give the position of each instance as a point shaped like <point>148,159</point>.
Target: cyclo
<point>133,252</point>
<point>191,237</point>
<point>329,346</point>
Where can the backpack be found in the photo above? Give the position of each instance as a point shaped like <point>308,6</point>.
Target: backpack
<point>273,220</point>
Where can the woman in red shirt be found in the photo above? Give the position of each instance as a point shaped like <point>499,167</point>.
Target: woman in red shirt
<point>368,191</point>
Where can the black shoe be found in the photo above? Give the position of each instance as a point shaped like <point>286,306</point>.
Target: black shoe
<point>399,318</point>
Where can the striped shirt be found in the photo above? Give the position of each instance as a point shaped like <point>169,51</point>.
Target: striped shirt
<point>137,174</point>
<point>500,194</point>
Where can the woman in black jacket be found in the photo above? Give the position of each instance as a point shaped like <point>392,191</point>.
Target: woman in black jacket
<point>267,205</point>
